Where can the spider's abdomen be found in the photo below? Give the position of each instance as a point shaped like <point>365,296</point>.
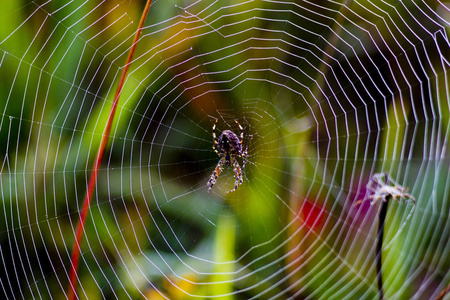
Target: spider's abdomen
<point>224,143</point>
<point>229,142</point>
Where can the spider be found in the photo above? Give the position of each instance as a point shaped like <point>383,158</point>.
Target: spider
<point>229,146</point>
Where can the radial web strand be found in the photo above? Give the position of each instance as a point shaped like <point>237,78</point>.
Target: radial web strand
<point>250,153</point>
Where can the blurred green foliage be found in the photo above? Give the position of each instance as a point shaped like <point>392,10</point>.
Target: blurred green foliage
<point>151,215</point>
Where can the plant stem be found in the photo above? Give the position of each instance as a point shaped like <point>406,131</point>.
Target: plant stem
<point>71,293</point>
<point>443,293</point>
<point>381,221</point>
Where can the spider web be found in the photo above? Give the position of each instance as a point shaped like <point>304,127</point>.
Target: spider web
<point>328,94</point>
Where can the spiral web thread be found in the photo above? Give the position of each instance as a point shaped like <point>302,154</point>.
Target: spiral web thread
<point>328,95</point>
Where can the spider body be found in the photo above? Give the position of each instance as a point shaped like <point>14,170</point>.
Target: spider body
<point>228,147</point>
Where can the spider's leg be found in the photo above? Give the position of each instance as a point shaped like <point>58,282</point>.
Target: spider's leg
<point>215,138</point>
<point>238,174</point>
<point>241,139</point>
<point>216,150</point>
<point>213,178</point>
<point>244,157</point>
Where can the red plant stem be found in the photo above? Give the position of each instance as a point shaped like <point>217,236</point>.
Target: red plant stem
<point>443,293</point>
<point>71,293</point>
